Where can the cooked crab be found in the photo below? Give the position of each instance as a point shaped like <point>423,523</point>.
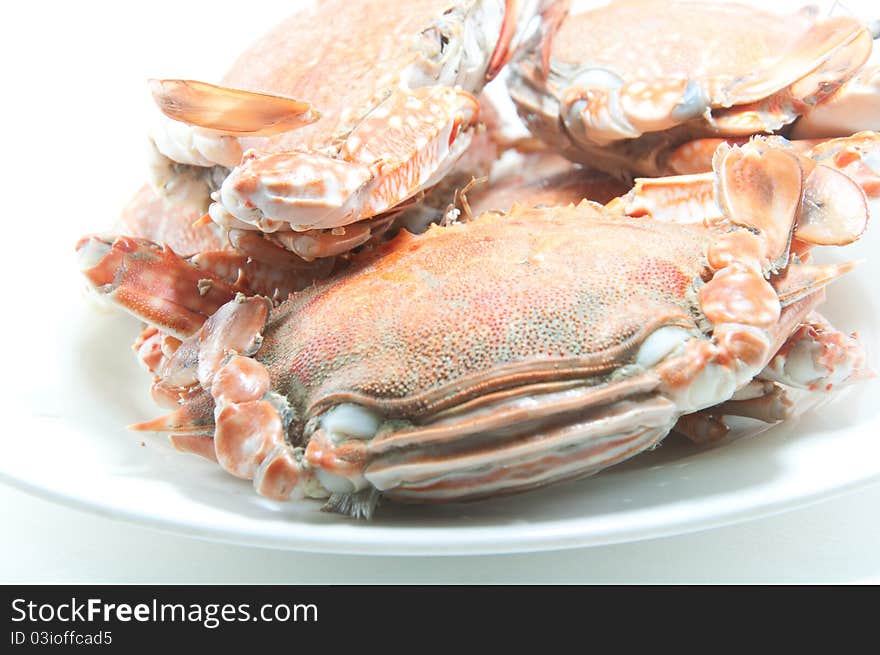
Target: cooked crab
<point>621,87</point>
<point>500,354</point>
<point>386,109</point>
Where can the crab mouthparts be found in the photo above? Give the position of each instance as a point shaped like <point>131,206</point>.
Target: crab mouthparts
<point>520,443</point>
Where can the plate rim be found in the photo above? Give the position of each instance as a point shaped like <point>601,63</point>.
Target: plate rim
<point>565,534</point>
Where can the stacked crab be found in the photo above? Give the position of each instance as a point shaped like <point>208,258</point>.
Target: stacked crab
<point>303,340</point>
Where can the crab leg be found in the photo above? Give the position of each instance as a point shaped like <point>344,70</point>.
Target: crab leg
<point>748,315</point>
<point>815,357</point>
<point>841,191</point>
<point>177,294</point>
<point>243,259</point>
<point>314,245</point>
<point>148,348</point>
<point>678,199</point>
<point>818,356</point>
<point>769,404</point>
<point>853,108</point>
<point>149,215</point>
<point>848,154</point>
<point>763,401</point>
<point>517,34</point>
<point>230,111</point>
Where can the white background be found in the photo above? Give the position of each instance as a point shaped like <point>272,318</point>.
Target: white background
<point>74,96</point>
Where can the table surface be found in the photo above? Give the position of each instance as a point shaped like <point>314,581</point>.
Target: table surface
<point>835,541</point>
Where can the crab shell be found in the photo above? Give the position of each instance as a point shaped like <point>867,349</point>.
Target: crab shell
<point>508,352</point>
<point>685,70</point>
<point>393,111</point>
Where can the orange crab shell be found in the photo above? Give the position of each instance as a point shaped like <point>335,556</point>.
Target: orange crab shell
<point>561,293</point>
<point>700,70</point>
<point>513,350</point>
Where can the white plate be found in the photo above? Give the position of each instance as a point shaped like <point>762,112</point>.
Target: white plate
<point>71,383</point>
<point>67,443</point>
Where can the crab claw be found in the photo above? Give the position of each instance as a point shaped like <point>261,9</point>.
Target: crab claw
<point>307,190</point>
<point>235,403</point>
<point>152,282</point>
<point>406,144</point>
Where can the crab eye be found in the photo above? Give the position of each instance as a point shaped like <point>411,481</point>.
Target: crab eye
<point>435,41</point>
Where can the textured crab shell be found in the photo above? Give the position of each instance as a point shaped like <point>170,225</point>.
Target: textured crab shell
<point>700,40</point>
<point>536,296</point>
<point>700,69</point>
